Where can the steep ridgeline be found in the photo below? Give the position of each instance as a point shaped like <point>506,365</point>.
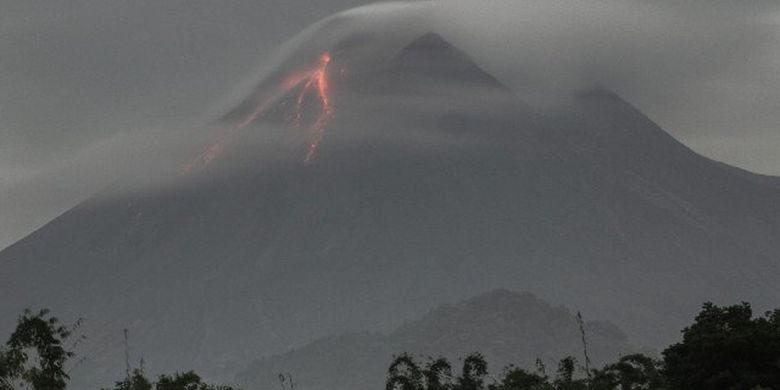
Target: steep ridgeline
<point>354,191</point>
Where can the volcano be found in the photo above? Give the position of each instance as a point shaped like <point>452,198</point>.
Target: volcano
<point>353,191</point>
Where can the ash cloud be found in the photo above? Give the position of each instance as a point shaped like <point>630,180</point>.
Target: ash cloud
<point>87,82</point>
<point>103,90</point>
<point>707,71</point>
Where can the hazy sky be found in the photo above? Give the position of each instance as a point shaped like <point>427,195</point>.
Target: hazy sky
<point>90,85</point>
<point>78,77</point>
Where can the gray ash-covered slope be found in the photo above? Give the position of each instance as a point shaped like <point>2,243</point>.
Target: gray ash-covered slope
<point>506,327</point>
<point>432,182</point>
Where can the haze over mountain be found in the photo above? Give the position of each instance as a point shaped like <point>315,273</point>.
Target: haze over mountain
<point>506,327</point>
<point>102,89</point>
<point>373,177</point>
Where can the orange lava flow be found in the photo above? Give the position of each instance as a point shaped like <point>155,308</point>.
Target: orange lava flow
<point>318,83</point>
<point>315,83</point>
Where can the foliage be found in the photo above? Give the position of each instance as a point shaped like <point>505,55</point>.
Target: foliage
<point>565,379</point>
<point>136,381</point>
<point>473,374</point>
<point>514,378</point>
<point>34,355</point>
<point>437,374</point>
<point>185,381</point>
<point>632,372</point>
<point>726,348</point>
<point>179,381</point>
<point>407,374</point>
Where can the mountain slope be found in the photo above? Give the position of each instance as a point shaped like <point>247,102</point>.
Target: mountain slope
<point>359,193</point>
<point>506,327</point>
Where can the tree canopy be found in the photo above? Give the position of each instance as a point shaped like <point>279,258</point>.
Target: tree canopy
<point>726,348</point>
<point>35,355</point>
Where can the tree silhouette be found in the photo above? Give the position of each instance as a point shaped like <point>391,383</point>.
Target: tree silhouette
<point>438,374</point>
<point>515,378</point>
<point>726,348</point>
<point>632,372</point>
<point>34,354</point>
<point>135,381</point>
<point>565,380</point>
<point>404,374</point>
<point>472,376</point>
<point>407,374</point>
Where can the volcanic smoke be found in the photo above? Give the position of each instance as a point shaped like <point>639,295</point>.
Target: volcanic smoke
<point>313,82</point>
<point>205,158</point>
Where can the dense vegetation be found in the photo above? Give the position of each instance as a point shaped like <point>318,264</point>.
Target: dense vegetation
<point>185,381</point>
<point>725,348</point>
<point>630,372</point>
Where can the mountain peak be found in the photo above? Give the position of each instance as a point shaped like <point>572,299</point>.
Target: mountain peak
<point>431,57</point>
<point>434,47</point>
<point>430,41</point>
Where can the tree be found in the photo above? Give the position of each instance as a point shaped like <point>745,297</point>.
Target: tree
<point>632,372</point>
<point>185,381</point>
<point>472,376</point>
<point>136,381</point>
<point>726,348</point>
<point>438,374</point>
<point>565,380</point>
<point>34,355</point>
<point>514,378</point>
<point>404,374</point>
<point>407,374</point>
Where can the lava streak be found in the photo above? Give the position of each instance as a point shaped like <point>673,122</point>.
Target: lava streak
<point>312,85</point>
<point>319,85</point>
<point>313,82</point>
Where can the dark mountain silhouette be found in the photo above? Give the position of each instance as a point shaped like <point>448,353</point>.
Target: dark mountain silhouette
<point>507,327</point>
<point>430,182</point>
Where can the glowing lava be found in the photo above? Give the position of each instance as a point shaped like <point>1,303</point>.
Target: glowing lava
<point>312,82</point>
<point>318,83</point>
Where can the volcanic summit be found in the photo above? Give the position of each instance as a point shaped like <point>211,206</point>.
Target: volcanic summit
<point>351,191</point>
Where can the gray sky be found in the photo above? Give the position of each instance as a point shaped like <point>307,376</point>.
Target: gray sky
<point>80,77</point>
<point>90,86</point>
